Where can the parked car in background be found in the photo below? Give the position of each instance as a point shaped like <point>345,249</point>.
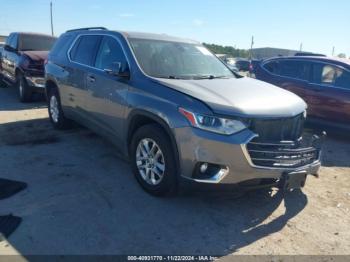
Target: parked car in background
<point>22,62</point>
<point>242,65</point>
<point>323,82</point>
<point>233,67</point>
<point>177,111</point>
<point>246,67</point>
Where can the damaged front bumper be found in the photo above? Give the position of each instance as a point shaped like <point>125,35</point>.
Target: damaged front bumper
<point>240,158</point>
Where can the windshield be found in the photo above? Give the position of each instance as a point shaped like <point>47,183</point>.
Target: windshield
<point>177,60</point>
<point>36,43</point>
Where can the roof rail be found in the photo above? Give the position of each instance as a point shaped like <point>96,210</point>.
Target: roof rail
<point>87,28</point>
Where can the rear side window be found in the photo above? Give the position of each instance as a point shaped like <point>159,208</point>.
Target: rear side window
<point>295,69</point>
<point>331,75</point>
<point>84,49</point>
<point>290,68</point>
<point>110,53</point>
<point>272,67</point>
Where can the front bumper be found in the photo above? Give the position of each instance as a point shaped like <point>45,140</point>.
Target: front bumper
<point>198,146</point>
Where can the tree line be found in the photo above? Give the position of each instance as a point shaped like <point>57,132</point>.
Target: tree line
<point>228,50</point>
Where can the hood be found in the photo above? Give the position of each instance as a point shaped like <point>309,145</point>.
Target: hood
<point>241,96</point>
<point>36,55</point>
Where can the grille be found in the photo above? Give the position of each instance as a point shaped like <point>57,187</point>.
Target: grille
<point>281,129</point>
<point>283,155</point>
<point>279,143</point>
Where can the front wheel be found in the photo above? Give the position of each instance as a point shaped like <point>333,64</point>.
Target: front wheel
<point>57,118</point>
<point>153,161</point>
<point>24,90</point>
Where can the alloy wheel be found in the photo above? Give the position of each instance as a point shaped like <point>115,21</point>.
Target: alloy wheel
<point>150,161</point>
<point>54,109</point>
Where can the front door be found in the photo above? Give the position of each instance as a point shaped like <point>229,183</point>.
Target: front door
<point>108,92</point>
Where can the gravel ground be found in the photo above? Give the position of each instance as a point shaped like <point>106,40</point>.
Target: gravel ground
<point>82,199</point>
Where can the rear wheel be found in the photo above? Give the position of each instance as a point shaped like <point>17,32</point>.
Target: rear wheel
<point>24,90</point>
<point>57,118</point>
<point>153,161</point>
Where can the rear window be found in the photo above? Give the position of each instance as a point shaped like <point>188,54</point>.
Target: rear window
<point>84,49</point>
<point>36,42</point>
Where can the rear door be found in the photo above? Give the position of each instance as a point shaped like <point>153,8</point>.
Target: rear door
<point>82,55</point>
<point>292,75</point>
<point>331,87</point>
<point>107,93</point>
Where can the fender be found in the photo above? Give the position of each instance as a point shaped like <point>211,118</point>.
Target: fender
<point>155,118</point>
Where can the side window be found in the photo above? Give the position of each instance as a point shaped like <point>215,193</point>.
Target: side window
<point>8,39</point>
<point>295,69</point>
<point>110,52</point>
<point>343,79</point>
<point>331,75</point>
<point>272,67</point>
<point>84,49</point>
<point>14,41</point>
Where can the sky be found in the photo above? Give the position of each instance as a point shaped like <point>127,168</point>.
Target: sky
<point>317,24</point>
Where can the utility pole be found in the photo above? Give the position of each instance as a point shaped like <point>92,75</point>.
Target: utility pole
<point>301,47</point>
<point>251,49</point>
<point>333,50</point>
<point>51,18</point>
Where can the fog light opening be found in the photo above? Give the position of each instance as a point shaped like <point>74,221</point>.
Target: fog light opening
<point>203,167</point>
<point>204,170</point>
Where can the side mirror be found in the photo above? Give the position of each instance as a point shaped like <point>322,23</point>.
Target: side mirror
<point>118,70</point>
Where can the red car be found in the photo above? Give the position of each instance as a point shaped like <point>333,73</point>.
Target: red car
<point>323,82</point>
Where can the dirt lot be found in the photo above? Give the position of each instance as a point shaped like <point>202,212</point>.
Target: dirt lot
<point>82,199</point>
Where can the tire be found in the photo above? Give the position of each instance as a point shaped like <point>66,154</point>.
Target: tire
<point>24,90</point>
<point>154,135</point>
<point>57,118</point>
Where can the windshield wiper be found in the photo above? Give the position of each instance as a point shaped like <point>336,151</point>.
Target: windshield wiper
<point>170,77</point>
<point>209,77</point>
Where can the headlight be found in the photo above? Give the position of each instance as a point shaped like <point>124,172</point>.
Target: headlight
<point>212,123</point>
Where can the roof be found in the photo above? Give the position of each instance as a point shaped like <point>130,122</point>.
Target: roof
<point>339,61</point>
<point>152,36</point>
<point>137,35</point>
<point>33,33</point>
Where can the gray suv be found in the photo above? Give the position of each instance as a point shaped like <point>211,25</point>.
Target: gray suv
<point>177,112</point>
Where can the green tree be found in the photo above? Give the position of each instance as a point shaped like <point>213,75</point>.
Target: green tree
<point>227,50</point>
<point>342,55</point>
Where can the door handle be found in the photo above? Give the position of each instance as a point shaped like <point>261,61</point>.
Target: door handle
<point>91,79</point>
